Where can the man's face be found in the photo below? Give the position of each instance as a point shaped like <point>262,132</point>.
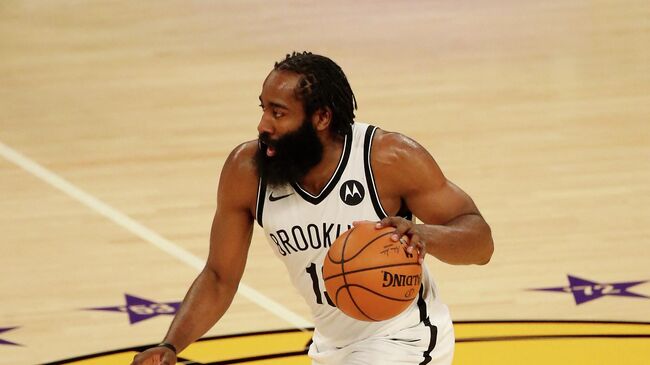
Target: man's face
<point>288,143</point>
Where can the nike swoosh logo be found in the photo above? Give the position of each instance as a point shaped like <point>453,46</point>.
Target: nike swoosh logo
<point>276,198</point>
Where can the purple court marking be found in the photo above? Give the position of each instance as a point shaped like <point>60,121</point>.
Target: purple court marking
<point>5,342</point>
<point>586,290</point>
<point>140,309</point>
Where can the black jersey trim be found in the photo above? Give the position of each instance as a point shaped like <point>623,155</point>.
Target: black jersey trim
<point>422,305</point>
<point>370,179</point>
<point>316,199</point>
<point>261,197</point>
<point>432,342</point>
<point>424,317</point>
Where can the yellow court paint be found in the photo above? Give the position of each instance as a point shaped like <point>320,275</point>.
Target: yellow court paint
<point>574,351</point>
<point>471,330</point>
<point>119,358</point>
<point>247,346</point>
<point>486,343</point>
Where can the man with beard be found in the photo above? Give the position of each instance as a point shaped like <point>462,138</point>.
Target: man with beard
<point>312,172</point>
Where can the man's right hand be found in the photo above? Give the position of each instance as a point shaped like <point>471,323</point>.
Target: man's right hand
<point>155,356</point>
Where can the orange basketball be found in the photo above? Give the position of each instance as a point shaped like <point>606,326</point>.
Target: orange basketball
<point>369,276</point>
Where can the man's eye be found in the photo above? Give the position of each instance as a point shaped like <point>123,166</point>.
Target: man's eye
<point>277,114</point>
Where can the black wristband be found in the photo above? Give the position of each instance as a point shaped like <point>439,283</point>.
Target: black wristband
<point>168,345</point>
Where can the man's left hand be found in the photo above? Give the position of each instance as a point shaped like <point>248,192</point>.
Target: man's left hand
<point>408,233</point>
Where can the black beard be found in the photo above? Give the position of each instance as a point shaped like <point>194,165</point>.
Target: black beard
<point>295,154</point>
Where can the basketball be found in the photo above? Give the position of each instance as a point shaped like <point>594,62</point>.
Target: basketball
<point>369,276</point>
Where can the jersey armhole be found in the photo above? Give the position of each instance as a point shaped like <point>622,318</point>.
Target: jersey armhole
<point>370,179</point>
<point>261,197</point>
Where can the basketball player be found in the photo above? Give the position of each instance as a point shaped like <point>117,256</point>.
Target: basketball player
<point>312,172</point>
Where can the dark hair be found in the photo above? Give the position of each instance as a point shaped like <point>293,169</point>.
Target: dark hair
<point>323,84</point>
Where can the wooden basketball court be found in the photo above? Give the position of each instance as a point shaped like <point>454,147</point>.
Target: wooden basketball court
<point>116,118</point>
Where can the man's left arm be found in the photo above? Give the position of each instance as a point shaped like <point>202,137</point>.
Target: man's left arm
<point>453,229</point>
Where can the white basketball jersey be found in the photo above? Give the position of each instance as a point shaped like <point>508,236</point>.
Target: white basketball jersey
<point>301,227</point>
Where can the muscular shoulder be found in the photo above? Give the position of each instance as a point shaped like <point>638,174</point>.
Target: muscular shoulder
<point>238,182</point>
<point>241,160</point>
<point>402,163</point>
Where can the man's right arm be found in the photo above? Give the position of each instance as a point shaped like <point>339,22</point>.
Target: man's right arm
<point>214,289</point>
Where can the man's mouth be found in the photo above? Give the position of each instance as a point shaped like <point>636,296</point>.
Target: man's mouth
<point>268,149</point>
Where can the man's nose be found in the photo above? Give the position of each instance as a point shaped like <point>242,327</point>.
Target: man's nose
<point>265,125</point>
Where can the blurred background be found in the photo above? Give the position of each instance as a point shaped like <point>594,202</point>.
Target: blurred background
<point>116,118</point>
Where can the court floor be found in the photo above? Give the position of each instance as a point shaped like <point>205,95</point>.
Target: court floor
<point>116,118</point>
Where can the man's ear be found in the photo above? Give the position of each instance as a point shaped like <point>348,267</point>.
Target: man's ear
<point>321,119</point>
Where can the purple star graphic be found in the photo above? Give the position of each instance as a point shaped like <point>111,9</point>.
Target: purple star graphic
<point>140,309</point>
<point>585,290</point>
<point>5,342</point>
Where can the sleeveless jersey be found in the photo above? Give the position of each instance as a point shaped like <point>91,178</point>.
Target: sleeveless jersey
<point>301,227</point>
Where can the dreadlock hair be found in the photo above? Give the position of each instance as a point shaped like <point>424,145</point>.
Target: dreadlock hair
<point>322,84</point>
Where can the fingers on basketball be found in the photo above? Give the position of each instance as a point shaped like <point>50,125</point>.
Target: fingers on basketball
<point>369,276</point>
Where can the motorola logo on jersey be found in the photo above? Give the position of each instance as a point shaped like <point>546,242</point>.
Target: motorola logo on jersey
<point>352,192</point>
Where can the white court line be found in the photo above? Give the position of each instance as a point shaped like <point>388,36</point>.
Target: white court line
<point>145,233</point>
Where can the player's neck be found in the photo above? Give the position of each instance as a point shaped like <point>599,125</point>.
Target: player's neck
<point>320,174</point>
